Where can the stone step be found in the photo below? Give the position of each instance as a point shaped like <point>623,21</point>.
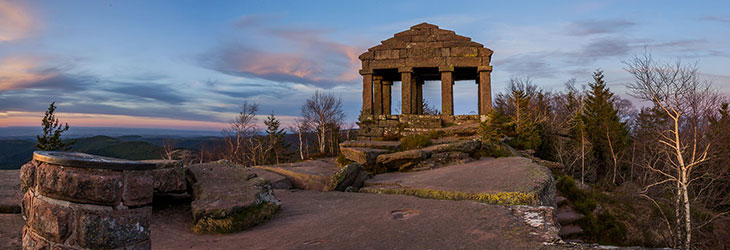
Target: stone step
<point>566,215</point>
<point>386,145</point>
<point>365,156</point>
<point>320,175</point>
<point>569,230</point>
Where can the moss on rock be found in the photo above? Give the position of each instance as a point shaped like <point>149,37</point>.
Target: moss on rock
<point>239,220</point>
<point>502,198</point>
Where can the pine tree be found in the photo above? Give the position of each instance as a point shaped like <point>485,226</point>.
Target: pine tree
<point>604,129</point>
<point>52,130</point>
<point>275,139</point>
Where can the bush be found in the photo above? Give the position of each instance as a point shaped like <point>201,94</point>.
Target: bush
<point>603,228</point>
<point>414,142</point>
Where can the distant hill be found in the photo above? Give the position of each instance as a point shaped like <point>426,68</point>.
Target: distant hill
<point>14,153</point>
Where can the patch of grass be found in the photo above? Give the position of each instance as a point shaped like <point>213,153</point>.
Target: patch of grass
<point>496,150</point>
<point>238,221</point>
<point>504,198</point>
<point>342,160</point>
<point>414,142</point>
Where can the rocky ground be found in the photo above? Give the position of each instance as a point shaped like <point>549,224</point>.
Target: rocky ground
<point>312,219</point>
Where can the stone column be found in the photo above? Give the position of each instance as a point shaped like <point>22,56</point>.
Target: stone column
<point>419,95</point>
<point>81,201</point>
<point>485,90</point>
<point>386,97</point>
<point>378,95</point>
<point>406,93</point>
<point>367,93</point>
<point>447,92</point>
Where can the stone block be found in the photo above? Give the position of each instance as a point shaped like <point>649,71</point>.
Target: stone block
<point>95,186</point>
<point>464,51</point>
<point>401,160</point>
<point>51,221</point>
<point>462,43</point>
<point>31,241</point>
<point>463,61</point>
<point>169,180</point>
<point>138,188</point>
<point>27,175</point>
<point>113,228</point>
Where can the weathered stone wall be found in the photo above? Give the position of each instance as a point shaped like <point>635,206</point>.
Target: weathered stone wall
<point>379,126</point>
<point>85,208</point>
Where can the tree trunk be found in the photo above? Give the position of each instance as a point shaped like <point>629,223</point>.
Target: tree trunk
<point>301,146</point>
<point>687,217</point>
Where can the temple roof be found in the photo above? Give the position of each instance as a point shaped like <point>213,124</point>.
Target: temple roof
<point>426,45</point>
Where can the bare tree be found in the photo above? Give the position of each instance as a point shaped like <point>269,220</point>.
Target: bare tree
<point>323,112</point>
<point>168,148</point>
<point>300,127</point>
<point>674,88</point>
<point>238,137</point>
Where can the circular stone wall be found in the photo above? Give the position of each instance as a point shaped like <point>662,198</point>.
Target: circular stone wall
<point>75,200</point>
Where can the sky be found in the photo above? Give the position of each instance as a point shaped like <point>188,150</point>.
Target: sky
<point>191,64</point>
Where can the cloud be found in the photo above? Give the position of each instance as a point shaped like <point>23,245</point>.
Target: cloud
<point>21,72</point>
<point>722,19</point>
<point>606,47</point>
<point>163,93</point>
<point>593,27</point>
<point>15,21</point>
<point>302,56</point>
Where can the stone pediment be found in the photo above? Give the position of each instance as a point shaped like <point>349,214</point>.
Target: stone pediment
<point>426,45</point>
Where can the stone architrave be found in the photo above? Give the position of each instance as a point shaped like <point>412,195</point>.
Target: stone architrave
<point>378,95</point>
<point>386,97</point>
<point>447,92</point>
<point>367,94</point>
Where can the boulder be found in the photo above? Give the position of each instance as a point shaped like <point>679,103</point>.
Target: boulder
<point>277,181</point>
<point>365,156</point>
<point>318,175</point>
<point>400,161</point>
<point>386,145</point>
<point>169,176</point>
<point>10,191</point>
<point>229,199</point>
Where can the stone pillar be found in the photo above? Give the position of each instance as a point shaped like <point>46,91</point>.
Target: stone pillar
<point>386,97</point>
<point>419,95</point>
<point>378,95</point>
<point>447,92</point>
<point>81,201</point>
<point>485,90</point>
<point>367,93</point>
<point>406,93</point>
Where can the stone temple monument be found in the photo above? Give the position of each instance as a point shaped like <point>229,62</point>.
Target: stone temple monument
<point>423,53</point>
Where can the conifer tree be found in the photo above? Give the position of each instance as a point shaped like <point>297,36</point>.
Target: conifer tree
<point>275,138</point>
<point>607,133</point>
<point>52,130</point>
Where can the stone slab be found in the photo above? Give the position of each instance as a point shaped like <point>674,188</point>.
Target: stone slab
<point>340,220</point>
<point>229,199</point>
<point>10,194</point>
<point>319,175</point>
<point>507,181</point>
<point>365,156</point>
<point>277,181</point>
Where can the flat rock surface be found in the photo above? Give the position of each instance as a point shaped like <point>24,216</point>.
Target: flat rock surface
<point>338,220</point>
<point>10,194</point>
<point>509,174</point>
<point>11,226</point>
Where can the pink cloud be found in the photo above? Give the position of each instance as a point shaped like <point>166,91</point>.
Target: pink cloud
<point>20,72</point>
<point>15,21</point>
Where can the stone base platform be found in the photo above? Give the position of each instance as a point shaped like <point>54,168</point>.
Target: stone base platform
<point>320,175</point>
<point>504,181</point>
<point>340,220</point>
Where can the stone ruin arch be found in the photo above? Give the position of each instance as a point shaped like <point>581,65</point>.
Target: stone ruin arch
<point>422,53</point>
